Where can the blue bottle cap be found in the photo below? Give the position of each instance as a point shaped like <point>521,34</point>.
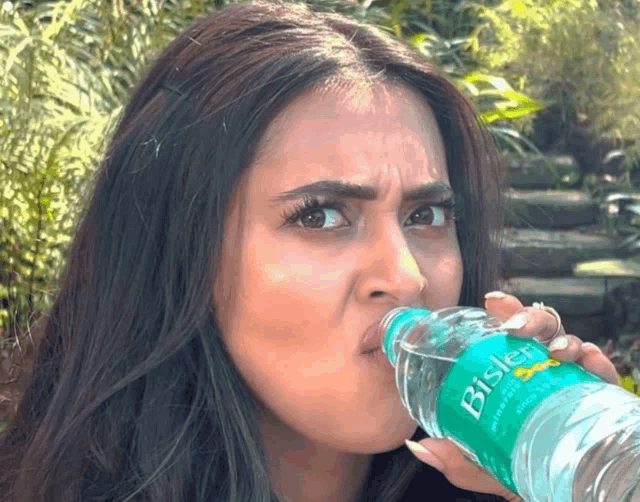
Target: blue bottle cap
<point>394,325</point>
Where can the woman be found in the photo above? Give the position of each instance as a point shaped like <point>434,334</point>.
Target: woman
<point>278,182</point>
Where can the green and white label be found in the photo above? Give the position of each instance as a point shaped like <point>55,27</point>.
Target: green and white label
<point>491,390</point>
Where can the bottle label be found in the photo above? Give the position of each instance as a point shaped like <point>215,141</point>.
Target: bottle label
<point>490,391</point>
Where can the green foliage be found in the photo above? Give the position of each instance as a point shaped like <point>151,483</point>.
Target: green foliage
<point>515,24</point>
<point>497,99</point>
<point>50,122</point>
<point>448,34</point>
<point>581,55</point>
<point>68,67</point>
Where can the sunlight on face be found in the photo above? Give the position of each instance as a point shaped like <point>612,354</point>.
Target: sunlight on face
<point>300,284</point>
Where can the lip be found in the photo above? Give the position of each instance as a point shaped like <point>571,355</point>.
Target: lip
<point>372,338</point>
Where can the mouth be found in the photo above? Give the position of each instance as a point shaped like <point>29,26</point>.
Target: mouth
<point>371,339</point>
<point>371,348</point>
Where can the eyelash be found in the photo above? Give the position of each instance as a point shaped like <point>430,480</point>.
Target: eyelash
<point>291,216</point>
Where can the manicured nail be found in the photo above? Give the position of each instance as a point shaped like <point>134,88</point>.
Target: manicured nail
<point>559,343</point>
<point>424,455</point>
<point>587,345</point>
<point>516,322</point>
<point>495,294</point>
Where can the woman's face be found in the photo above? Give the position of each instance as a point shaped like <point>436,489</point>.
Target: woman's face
<point>295,297</point>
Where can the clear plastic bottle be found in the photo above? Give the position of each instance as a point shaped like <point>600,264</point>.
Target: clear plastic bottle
<point>548,430</point>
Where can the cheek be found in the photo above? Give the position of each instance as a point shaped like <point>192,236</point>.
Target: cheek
<point>285,281</point>
<point>317,275</point>
<point>441,263</point>
<point>450,266</point>
<point>283,300</point>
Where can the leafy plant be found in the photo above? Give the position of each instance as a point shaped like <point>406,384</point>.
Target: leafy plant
<point>579,54</point>
<point>448,34</point>
<point>54,111</point>
<point>68,67</point>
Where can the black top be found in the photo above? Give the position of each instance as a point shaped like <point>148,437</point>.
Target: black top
<point>427,485</point>
<point>430,485</point>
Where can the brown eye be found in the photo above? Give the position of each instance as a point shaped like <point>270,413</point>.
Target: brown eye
<point>429,215</point>
<point>313,219</point>
<point>313,214</point>
<point>318,217</point>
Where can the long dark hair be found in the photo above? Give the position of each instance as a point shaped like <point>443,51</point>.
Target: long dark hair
<point>132,396</point>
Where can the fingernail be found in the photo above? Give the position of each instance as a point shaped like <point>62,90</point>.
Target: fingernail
<point>495,294</point>
<point>424,455</point>
<point>516,322</point>
<point>559,343</point>
<point>586,345</point>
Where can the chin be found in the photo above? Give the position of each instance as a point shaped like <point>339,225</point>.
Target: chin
<point>386,440</point>
<point>397,439</point>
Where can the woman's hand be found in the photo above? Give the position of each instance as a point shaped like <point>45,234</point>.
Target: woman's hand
<point>446,456</point>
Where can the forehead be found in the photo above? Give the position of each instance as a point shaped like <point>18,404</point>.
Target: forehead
<point>353,133</point>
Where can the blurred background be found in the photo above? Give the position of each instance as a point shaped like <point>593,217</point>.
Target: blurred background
<point>557,83</point>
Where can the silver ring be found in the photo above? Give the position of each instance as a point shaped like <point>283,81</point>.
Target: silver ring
<point>541,306</point>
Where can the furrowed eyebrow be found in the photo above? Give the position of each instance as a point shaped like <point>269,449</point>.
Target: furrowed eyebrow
<point>436,191</point>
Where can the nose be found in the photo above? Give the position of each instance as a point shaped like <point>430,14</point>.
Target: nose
<point>390,272</point>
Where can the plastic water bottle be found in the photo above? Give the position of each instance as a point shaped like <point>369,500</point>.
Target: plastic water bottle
<point>548,430</point>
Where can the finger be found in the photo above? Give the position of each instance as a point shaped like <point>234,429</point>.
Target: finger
<point>596,362</point>
<point>587,355</point>
<point>534,323</point>
<point>567,348</point>
<point>543,326</point>
<point>448,458</point>
<point>501,305</point>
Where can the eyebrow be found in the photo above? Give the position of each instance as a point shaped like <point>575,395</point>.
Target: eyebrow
<point>436,191</point>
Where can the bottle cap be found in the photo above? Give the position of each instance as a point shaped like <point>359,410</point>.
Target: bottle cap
<point>395,324</point>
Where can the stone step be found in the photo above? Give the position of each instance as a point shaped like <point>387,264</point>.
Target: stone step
<point>552,252</point>
<point>580,301</point>
<point>531,171</point>
<point>550,209</point>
